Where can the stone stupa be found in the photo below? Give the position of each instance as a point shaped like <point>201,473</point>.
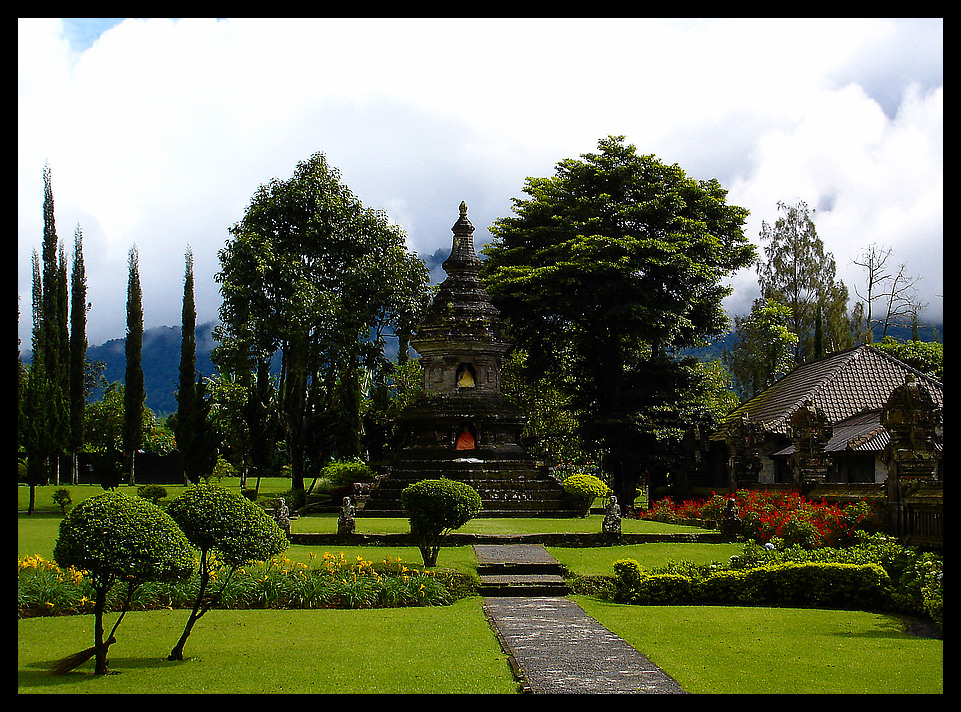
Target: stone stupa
<point>463,428</point>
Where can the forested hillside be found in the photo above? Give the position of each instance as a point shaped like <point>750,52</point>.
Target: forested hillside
<point>161,363</point>
<point>161,358</point>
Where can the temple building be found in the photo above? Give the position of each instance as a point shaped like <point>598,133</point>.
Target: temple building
<point>857,425</point>
<point>463,427</point>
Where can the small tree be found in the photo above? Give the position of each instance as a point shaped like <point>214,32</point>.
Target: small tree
<point>435,508</point>
<point>63,499</point>
<point>226,525</point>
<point>118,539</point>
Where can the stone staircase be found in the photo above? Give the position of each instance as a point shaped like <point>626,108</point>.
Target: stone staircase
<point>509,570</point>
<point>508,487</point>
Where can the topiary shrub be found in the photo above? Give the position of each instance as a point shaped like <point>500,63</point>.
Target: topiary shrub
<point>343,473</point>
<point>226,524</point>
<point>117,539</point>
<point>435,508</point>
<point>792,584</point>
<point>152,493</point>
<point>585,489</point>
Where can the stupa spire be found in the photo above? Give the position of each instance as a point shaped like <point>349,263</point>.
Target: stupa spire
<point>462,256</point>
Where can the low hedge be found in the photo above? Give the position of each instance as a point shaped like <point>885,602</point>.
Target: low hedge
<point>830,585</point>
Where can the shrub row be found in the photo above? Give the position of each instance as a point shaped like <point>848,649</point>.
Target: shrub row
<point>875,573</point>
<point>806,584</point>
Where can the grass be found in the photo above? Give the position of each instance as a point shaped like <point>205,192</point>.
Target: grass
<point>445,649</point>
<point>735,650</point>
<point>451,649</point>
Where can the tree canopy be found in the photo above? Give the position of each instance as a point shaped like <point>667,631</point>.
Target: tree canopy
<point>798,273</point>
<point>606,269</point>
<point>314,277</point>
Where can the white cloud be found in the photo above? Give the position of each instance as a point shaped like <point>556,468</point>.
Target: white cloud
<point>160,131</point>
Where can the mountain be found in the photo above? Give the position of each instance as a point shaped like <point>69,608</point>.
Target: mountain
<point>725,342</point>
<point>160,358</point>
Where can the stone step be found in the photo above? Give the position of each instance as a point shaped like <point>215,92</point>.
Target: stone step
<point>519,570</point>
<point>522,585</point>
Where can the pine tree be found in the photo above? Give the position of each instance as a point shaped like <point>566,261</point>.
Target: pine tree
<point>801,275</point>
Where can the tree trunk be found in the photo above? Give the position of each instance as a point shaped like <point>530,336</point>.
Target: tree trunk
<point>178,651</point>
<point>101,646</point>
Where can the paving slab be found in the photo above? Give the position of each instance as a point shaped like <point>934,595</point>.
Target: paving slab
<point>556,648</point>
<point>513,555</point>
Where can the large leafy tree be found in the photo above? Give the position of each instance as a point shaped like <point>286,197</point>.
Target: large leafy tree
<point>314,278</point>
<point>607,268</point>
<point>764,351</point>
<point>798,273</point>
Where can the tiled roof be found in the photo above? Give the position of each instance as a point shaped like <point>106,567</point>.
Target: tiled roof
<point>860,433</point>
<point>842,385</point>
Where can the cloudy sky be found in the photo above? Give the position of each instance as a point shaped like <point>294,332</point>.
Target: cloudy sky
<point>157,132</point>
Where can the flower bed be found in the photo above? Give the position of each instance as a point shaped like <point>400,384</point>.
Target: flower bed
<point>767,515</point>
<point>43,588</point>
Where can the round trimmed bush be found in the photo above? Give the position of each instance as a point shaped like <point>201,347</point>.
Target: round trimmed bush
<point>152,493</point>
<point>435,507</point>
<point>585,489</point>
<point>116,537</point>
<point>119,539</point>
<point>344,473</point>
<point>214,518</point>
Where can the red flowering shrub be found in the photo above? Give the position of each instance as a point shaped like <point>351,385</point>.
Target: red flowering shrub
<point>772,514</point>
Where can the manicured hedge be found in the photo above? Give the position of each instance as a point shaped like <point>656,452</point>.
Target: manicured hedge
<point>827,585</point>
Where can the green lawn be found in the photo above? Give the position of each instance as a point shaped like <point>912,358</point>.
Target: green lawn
<point>452,649</point>
<point>444,649</point>
<point>735,650</point>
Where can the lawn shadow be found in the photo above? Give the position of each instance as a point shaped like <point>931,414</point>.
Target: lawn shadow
<point>37,674</point>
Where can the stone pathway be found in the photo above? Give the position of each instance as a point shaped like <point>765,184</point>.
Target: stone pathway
<point>554,647</point>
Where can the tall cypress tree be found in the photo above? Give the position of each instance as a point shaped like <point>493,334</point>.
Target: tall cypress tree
<point>196,438</point>
<point>50,303</point>
<point>78,342</point>
<point>188,341</point>
<point>133,392</point>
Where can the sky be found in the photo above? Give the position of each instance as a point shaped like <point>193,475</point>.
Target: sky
<point>159,131</point>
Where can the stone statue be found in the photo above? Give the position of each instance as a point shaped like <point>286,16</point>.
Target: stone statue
<point>612,517</point>
<point>282,515</point>
<point>731,519</point>
<point>345,522</point>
